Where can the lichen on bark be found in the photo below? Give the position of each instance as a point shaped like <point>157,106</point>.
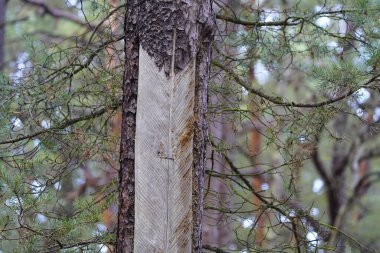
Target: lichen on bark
<point>191,19</point>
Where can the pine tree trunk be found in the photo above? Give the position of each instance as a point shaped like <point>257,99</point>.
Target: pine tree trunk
<point>163,136</point>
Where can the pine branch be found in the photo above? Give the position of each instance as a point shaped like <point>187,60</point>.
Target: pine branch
<point>257,24</point>
<point>279,100</point>
<point>64,124</point>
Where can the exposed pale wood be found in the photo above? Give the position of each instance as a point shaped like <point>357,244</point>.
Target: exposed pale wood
<point>164,159</point>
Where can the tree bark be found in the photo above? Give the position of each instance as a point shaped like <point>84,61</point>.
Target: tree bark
<point>165,41</point>
<point>126,219</point>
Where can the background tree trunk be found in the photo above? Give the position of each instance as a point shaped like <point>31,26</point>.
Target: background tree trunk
<point>217,226</point>
<point>167,52</point>
<point>217,229</point>
<point>2,31</point>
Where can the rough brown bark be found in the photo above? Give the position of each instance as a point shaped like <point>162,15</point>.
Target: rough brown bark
<point>125,225</point>
<point>200,136</point>
<point>2,31</point>
<point>151,24</point>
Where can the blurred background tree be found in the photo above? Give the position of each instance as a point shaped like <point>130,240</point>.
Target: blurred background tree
<point>293,122</point>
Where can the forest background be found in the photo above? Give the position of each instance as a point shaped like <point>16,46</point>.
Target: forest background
<point>293,115</point>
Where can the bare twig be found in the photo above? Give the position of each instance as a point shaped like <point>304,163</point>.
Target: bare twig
<point>57,13</point>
